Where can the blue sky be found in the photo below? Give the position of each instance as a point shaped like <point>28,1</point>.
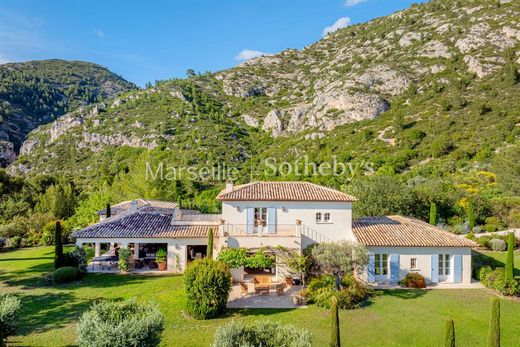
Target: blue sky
<point>149,40</point>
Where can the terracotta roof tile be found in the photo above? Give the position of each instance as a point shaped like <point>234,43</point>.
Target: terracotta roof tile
<point>284,191</point>
<point>399,231</point>
<point>144,225</point>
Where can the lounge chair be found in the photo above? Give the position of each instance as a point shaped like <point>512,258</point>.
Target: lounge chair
<point>262,284</point>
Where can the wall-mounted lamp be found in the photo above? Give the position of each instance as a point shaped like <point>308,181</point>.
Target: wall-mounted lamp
<point>285,209</point>
<point>239,209</point>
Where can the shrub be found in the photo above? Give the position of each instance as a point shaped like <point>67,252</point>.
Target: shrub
<point>14,242</point>
<point>77,258</point>
<point>58,247</point>
<point>509,270</point>
<point>121,324</point>
<point>494,324</point>
<point>65,274</point>
<point>496,279</point>
<point>233,257</point>
<point>9,315</point>
<point>413,280</point>
<point>335,340</point>
<point>352,294</point>
<point>261,333</point>
<point>497,245</point>
<point>207,283</point>
<point>125,259</point>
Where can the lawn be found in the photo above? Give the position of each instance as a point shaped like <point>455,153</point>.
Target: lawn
<point>392,318</point>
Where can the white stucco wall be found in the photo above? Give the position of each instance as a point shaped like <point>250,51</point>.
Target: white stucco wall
<point>424,257</point>
<point>288,212</point>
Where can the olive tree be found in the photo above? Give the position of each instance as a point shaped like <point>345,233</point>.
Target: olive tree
<point>340,258</point>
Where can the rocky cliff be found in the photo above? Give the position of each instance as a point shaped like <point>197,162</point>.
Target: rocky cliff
<point>398,83</point>
<point>38,92</point>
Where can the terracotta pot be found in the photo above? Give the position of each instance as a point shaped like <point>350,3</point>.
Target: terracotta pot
<point>289,281</point>
<point>162,266</point>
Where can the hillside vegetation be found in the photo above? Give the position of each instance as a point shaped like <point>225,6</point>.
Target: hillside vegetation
<point>38,92</point>
<point>424,100</point>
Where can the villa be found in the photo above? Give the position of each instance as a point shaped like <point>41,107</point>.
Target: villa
<point>291,214</point>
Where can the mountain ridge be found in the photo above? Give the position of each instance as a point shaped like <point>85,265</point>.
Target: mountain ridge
<point>377,86</point>
<point>37,92</point>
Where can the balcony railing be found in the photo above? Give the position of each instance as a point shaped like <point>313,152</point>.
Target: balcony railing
<point>265,230</point>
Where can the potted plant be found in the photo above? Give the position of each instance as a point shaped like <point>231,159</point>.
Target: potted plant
<point>160,259</point>
<point>289,281</point>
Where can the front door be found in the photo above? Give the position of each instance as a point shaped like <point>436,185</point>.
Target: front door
<point>260,221</point>
<point>444,267</point>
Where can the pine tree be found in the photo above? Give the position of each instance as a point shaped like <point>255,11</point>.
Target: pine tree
<point>510,257</point>
<point>209,251</point>
<point>58,246</point>
<point>433,213</point>
<point>494,324</point>
<point>335,340</point>
<point>449,337</point>
<point>109,211</point>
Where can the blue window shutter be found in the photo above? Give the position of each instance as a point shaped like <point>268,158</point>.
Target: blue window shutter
<point>250,216</point>
<point>394,268</point>
<point>457,268</point>
<point>371,271</point>
<point>435,268</point>
<point>271,219</point>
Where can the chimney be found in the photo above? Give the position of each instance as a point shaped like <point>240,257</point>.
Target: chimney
<point>133,205</point>
<point>229,187</point>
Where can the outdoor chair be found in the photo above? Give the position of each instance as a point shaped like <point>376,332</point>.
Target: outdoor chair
<point>262,284</point>
<point>244,289</point>
<point>280,287</point>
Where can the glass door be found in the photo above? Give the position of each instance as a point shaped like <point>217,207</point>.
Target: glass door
<point>260,223</point>
<point>444,267</point>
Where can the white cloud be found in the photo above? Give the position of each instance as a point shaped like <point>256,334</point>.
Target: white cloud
<point>247,54</point>
<point>343,22</point>
<point>99,33</point>
<point>350,3</point>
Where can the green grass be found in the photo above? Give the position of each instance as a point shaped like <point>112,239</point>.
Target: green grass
<point>392,318</point>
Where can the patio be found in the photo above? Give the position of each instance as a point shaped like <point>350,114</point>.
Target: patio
<point>270,300</point>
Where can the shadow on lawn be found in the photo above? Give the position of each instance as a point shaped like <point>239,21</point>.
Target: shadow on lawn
<point>404,293</point>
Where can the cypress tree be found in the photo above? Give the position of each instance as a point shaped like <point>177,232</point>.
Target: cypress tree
<point>471,215</point>
<point>58,246</point>
<point>335,340</point>
<point>494,324</point>
<point>449,337</point>
<point>109,211</point>
<point>510,257</point>
<point>433,213</point>
<point>209,251</point>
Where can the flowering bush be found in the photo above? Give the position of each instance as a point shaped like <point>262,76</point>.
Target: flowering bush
<point>413,280</point>
<point>496,279</point>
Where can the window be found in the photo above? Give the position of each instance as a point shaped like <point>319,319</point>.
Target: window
<point>444,264</point>
<point>413,263</point>
<point>326,217</point>
<point>323,217</point>
<point>381,264</point>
